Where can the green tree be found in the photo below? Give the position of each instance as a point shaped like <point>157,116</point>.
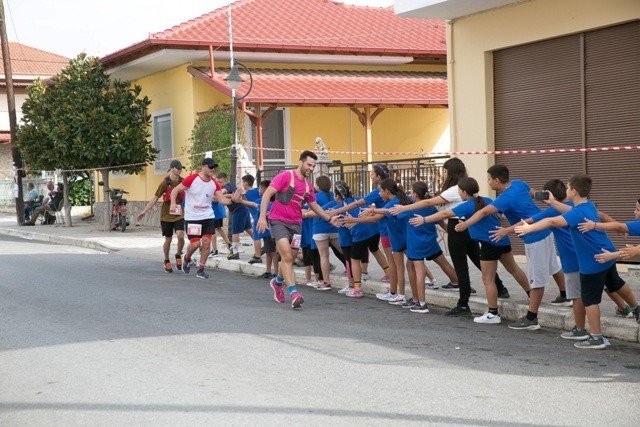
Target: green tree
<point>80,119</point>
<point>213,130</point>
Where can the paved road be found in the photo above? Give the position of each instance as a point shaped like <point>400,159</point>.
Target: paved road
<point>93,338</point>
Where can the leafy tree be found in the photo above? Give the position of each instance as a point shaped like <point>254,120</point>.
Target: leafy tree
<point>213,130</point>
<point>79,119</point>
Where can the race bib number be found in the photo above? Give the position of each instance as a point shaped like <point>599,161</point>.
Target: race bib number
<point>194,229</point>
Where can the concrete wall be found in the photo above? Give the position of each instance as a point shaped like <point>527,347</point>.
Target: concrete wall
<point>471,41</point>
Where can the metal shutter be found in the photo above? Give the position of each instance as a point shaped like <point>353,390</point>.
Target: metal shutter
<point>538,104</point>
<point>612,77</point>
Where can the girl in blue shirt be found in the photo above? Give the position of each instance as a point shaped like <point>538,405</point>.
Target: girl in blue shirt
<point>490,252</point>
<point>392,195</point>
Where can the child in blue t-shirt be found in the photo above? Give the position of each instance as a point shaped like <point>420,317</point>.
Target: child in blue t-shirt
<point>515,203</point>
<point>594,275</point>
<point>490,251</point>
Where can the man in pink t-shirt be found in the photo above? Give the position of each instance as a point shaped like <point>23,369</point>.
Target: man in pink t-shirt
<point>291,190</point>
<point>199,189</point>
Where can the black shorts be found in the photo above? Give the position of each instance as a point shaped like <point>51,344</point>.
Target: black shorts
<point>269,245</point>
<point>592,285</point>
<point>489,252</point>
<point>207,227</point>
<point>429,258</point>
<point>359,249</point>
<point>218,223</point>
<point>307,256</point>
<point>168,227</point>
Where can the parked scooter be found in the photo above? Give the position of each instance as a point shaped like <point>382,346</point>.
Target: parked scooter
<point>118,209</point>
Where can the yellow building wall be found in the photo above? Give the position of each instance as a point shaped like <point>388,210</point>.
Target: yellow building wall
<point>471,41</point>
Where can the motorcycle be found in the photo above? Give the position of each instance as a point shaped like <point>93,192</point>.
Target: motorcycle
<point>118,209</point>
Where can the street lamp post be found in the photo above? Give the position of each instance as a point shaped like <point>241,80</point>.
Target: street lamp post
<point>234,80</point>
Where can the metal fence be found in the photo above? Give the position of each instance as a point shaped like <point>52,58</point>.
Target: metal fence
<point>357,175</point>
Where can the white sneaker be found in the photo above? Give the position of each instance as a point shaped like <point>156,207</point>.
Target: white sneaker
<point>311,284</point>
<point>364,276</point>
<point>344,290</point>
<point>488,318</point>
<point>385,296</point>
<point>397,299</point>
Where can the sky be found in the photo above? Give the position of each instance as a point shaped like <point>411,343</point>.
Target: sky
<point>100,27</point>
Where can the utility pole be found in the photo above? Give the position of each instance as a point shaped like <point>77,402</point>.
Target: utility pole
<point>11,104</point>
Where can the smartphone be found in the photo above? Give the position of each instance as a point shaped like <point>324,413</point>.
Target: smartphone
<point>541,195</point>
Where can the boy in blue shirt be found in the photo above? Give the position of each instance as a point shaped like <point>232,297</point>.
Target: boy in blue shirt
<point>239,213</point>
<point>594,276</point>
<point>254,195</point>
<point>515,203</point>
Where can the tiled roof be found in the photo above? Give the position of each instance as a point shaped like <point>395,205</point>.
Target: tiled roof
<point>5,136</point>
<point>26,60</point>
<point>310,26</point>
<point>322,87</point>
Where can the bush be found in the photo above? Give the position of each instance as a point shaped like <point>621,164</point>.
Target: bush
<point>80,192</point>
<point>213,130</point>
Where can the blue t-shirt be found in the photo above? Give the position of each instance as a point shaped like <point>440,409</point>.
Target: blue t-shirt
<point>218,210</point>
<point>361,232</point>
<point>590,243</point>
<point>375,198</point>
<point>480,230</point>
<point>344,234</point>
<point>256,234</point>
<point>230,189</point>
<point>320,226</point>
<point>516,204</point>
<point>306,237</point>
<point>422,241</point>
<point>253,195</point>
<point>634,227</point>
<point>564,241</point>
<point>396,227</point>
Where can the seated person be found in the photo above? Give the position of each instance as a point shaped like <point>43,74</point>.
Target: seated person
<point>30,200</point>
<point>48,206</point>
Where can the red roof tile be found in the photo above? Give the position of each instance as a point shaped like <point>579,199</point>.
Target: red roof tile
<point>5,136</point>
<point>26,60</point>
<point>320,87</point>
<point>318,26</point>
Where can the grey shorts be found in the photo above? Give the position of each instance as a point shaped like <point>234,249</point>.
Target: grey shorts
<point>282,230</point>
<point>572,280</point>
<point>542,261</point>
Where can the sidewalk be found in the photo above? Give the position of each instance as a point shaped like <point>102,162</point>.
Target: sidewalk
<point>148,242</point>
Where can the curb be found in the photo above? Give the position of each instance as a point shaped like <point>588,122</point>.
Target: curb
<point>43,237</point>
<point>560,318</point>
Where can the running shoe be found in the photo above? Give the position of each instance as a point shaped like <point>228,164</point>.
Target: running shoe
<point>213,254</point>
<point>624,312</point>
<point>233,256</point>
<point>458,311</point>
<point>278,292</point>
<point>255,260</point>
<point>384,278</point>
<point>323,286</point>
<point>167,266</point>
<point>386,296</point>
<point>311,284</point>
<point>591,343</point>
<point>186,266</point>
<point>397,300</point>
<point>488,318</point>
<point>265,275</point>
<point>473,291</point>
<point>575,334</point>
<point>431,284</point>
<point>410,303</point>
<point>561,301</point>
<point>525,324</point>
<point>420,308</point>
<point>345,290</point>
<point>451,286</point>
<point>178,262</point>
<point>504,293</point>
<point>296,299</point>
<point>355,293</point>
<point>364,276</point>
<point>202,274</point>
<point>636,313</point>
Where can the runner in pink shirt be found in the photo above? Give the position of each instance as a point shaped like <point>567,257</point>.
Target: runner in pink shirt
<point>292,190</point>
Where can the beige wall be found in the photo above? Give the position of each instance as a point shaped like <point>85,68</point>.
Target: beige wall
<point>471,41</point>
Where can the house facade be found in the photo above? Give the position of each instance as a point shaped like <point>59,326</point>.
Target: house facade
<point>27,64</point>
<point>545,74</point>
<point>369,83</point>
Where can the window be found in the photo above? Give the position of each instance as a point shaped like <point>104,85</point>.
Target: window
<point>162,139</point>
<point>275,135</point>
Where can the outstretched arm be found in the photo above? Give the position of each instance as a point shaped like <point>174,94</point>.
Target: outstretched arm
<point>418,220</point>
<point>425,203</point>
<point>589,225</point>
<point>147,208</point>
<point>486,211</point>
<point>523,228</point>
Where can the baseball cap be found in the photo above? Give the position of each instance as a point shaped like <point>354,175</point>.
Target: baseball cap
<point>175,164</point>
<point>210,163</point>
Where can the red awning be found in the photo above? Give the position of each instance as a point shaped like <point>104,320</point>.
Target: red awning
<point>328,87</point>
